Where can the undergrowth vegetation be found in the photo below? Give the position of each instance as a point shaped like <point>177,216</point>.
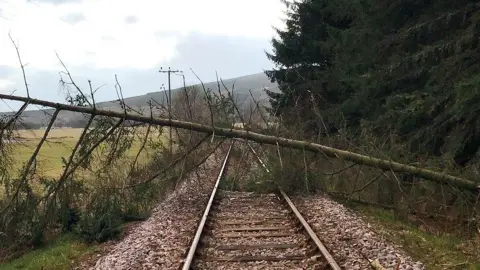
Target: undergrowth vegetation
<point>395,80</point>
<point>436,224</point>
<point>65,252</point>
<point>114,171</point>
<point>437,249</point>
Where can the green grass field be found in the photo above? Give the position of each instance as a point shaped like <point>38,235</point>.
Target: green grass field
<point>59,144</point>
<point>60,253</point>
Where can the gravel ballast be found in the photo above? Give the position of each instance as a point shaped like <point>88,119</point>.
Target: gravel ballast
<point>247,231</point>
<point>161,242</point>
<point>350,240</point>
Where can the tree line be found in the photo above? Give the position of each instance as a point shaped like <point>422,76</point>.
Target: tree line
<point>404,67</point>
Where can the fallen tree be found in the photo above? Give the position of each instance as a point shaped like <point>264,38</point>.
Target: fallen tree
<point>264,139</point>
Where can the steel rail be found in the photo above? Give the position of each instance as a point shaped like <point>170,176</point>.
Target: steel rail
<point>331,261</point>
<point>191,252</point>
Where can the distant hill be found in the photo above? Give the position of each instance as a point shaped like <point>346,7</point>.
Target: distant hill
<point>256,83</point>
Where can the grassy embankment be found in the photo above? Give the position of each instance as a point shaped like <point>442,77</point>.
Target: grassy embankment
<point>437,249</point>
<point>66,250</point>
<point>62,253</point>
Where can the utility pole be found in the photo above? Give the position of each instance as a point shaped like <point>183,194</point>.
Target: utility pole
<point>169,72</point>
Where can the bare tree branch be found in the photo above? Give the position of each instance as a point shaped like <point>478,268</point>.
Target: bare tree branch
<point>72,81</point>
<point>89,152</point>
<point>207,97</point>
<point>267,139</point>
<point>22,66</point>
<point>92,94</point>
<point>74,151</point>
<point>171,164</point>
<point>26,169</point>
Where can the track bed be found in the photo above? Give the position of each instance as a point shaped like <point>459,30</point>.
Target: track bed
<point>253,231</point>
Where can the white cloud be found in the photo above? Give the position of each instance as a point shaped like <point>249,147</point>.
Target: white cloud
<point>39,30</point>
<point>5,84</point>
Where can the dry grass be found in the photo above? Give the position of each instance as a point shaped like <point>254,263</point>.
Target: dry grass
<point>59,144</point>
<point>58,133</point>
<point>438,250</point>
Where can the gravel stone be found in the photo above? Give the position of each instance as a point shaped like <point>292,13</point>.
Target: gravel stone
<point>162,241</point>
<point>236,211</point>
<point>349,239</point>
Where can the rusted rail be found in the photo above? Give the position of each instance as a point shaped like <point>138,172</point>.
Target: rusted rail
<point>198,234</point>
<point>299,216</point>
<point>240,230</point>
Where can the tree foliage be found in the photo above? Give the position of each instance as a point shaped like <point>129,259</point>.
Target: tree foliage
<point>404,67</point>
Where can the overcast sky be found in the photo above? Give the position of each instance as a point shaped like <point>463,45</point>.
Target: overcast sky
<point>97,39</point>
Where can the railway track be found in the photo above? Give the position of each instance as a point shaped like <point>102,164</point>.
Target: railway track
<point>240,230</point>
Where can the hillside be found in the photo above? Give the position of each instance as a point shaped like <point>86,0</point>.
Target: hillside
<point>256,83</point>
